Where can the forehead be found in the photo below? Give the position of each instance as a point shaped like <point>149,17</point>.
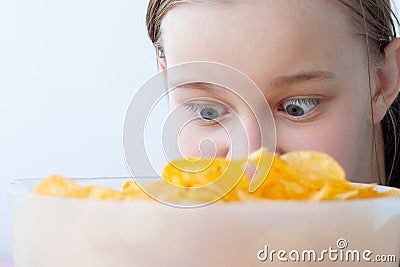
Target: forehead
<point>252,33</point>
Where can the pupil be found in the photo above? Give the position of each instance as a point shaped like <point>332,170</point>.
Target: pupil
<point>295,110</point>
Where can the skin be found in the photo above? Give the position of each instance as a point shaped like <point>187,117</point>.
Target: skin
<point>297,52</point>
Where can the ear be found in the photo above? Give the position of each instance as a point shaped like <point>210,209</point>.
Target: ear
<point>389,81</point>
<point>162,62</point>
<point>162,65</point>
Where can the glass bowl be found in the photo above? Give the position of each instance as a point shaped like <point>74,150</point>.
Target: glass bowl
<point>51,231</point>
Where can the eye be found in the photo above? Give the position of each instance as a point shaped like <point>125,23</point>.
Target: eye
<point>298,108</point>
<point>208,112</point>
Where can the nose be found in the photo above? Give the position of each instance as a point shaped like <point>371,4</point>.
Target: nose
<point>210,148</point>
<point>234,138</point>
<point>245,138</point>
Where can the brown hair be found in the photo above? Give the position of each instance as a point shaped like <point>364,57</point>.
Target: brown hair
<point>373,19</point>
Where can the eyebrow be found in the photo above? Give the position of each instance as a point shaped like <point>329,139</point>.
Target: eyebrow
<point>309,76</point>
<point>281,81</point>
<point>203,86</point>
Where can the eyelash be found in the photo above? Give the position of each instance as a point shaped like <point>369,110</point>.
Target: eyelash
<point>196,108</point>
<point>298,102</point>
<point>222,110</point>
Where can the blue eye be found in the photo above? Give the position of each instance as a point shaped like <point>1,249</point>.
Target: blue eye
<point>299,107</point>
<point>208,112</point>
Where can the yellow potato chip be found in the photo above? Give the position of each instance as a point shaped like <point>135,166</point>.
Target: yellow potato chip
<point>300,175</point>
<point>314,166</point>
<point>95,192</point>
<point>55,185</point>
<point>193,172</point>
<point>132,191</point>
<point>263,161</point>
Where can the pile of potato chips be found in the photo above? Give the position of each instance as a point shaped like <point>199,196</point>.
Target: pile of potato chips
<point>302,175</point>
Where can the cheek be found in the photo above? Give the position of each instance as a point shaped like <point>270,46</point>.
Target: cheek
<point>344,137</point>
<point>341,130</point>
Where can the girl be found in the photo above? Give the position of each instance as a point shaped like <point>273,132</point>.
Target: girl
<point>329,69</point>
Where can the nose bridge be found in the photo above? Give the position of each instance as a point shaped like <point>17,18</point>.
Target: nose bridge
<point>253,131</point>
<point>244,135</point>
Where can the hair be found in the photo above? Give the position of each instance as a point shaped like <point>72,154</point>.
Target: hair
<point>373,19</point>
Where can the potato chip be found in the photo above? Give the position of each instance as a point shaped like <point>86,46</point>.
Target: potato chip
<point>314,165</point>
<point>56,185</point>
<point>300,175</point>
<point>95,192</point>
<point>194,173</point>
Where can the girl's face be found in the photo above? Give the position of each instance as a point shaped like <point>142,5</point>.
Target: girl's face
<point>305,57</point>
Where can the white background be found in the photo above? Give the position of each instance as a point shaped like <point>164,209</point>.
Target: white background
<point>68,70</point>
